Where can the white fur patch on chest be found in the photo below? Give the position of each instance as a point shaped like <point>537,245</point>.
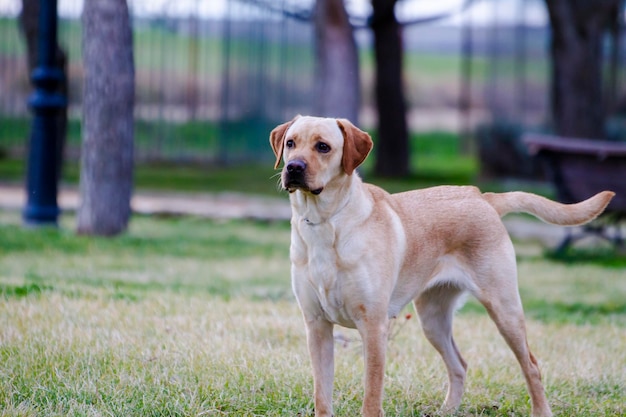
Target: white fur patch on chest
<point>316,280</point>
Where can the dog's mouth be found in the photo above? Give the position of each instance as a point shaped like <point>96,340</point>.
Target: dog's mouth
<point>291,183</point>
<point>291,188</point>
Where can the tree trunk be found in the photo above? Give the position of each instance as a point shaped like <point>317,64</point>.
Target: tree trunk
<point>109,89</point>
<point>578,28</point>
<point>337,92</point>
<point>29,24</point>
<point>392,150</point>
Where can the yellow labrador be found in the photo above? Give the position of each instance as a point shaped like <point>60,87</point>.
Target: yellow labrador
<point>359,255</point>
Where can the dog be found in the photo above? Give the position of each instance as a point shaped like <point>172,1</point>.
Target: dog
<point>359,255</point>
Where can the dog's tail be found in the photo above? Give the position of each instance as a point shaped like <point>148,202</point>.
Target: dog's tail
<point>547,210</point>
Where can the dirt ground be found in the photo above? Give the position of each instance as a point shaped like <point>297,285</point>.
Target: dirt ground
<point>243,206</point>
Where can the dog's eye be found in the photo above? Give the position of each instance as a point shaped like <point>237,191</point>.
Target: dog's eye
<point>290,143</point>
<point>322,147</point>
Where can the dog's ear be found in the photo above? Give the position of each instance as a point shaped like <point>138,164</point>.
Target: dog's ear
<point>277,139</point>
<point>357,144</point>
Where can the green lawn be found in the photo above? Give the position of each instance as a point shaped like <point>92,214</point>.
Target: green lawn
<point>436,158</point>
<point>187,316</point>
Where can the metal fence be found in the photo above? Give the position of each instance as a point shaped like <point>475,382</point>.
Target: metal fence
<point>210,89</point>
<point>206,89</point>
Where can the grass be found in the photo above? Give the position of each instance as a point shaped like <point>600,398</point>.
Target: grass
<point>172,139</point>
<point>186,317</point>
<point>436,158</point>
<point>607,256</point>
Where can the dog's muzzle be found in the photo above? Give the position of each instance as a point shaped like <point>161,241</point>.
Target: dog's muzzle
<point>294,177</point>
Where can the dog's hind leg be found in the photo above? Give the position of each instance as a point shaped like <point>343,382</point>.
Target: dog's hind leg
<point>436,308</point>
<point>504,306</point>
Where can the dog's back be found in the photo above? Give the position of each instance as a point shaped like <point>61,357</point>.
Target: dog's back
<point>449,200</point>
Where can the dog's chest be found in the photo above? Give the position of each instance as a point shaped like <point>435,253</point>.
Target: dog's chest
<point>316,271</point>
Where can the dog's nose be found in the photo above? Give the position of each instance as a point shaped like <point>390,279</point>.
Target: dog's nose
<point>297,166</point>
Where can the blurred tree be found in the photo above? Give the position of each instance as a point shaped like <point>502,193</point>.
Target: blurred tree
<point>392,148</point>
<point>29,25</point>
<point>578,30</point>
<point>337,86</point>
<point>107,152</point>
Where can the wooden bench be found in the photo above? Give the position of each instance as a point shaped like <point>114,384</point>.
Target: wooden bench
<point>580,168</point>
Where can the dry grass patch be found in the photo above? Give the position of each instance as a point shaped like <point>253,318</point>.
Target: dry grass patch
<point>189,355</point>
<point>188,317</point>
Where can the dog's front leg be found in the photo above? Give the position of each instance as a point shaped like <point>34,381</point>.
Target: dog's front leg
<point>374,335</point>
<point>321,349</point>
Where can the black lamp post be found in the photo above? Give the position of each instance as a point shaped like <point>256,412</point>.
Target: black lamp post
<point>41,184</point>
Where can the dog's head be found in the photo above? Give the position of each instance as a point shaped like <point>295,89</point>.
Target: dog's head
<point>317,150</point>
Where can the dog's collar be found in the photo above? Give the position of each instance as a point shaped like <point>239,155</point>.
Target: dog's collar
<point>321,220</point>
<point>309,222</point>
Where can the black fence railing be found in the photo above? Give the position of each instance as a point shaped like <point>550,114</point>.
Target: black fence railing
<point>210,87</point>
